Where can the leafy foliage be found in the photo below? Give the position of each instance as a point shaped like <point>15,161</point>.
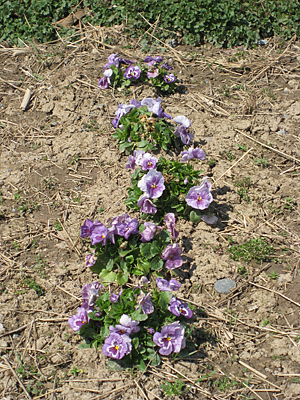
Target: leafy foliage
<point>28,19</point>
<point>223,23</point>
<point>173,197</point>
<point>117,262</point>
<point>118,78</point>
<point>108,314</point>
<point>253,250</point>
<point>141,131</point>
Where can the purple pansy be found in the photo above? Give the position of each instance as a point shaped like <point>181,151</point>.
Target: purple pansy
<point>126,326</point>
<point>153,60</point>
<point>170,339</point>
<point>100,233</point>
<point>120,219</point>
<point>181,130</point>
<point>113,59</point>
<point>152,184</point>
<point>132,72</point>
<point>199,197</point>
<point>209,219</point>
<point>131,163</point>
<point>171,254</point>
<point>193,153</point>
<point>147,162</point>
<point>170,223</point>
<point>146,304</point>
<point>177,307</point>
<point>166,286</point>
<point>146,204</point>
<point>115,297</point>
<point>170,78</point>
<point>86,228</point>
<point>127,227</point>
<point>155,107</point>
<point>89,293</point>
<point>77,321</point>
<point>123,109</point>
<point>90,260</point>
<point>152,73</point>
<point>103,83</point>
<point>167,66</point>
<point>117,346</point>
<point>135,103</point>
<point>149,231</point>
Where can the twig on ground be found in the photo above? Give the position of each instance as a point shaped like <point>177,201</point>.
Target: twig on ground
<point>244,155</point>
<point>270,148</point>
<point>16,376</point>
<point>70,294</point>
<point>73,244</point>
<point>275,292</point>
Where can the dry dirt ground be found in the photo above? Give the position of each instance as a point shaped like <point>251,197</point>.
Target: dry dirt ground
<point>60,165</point>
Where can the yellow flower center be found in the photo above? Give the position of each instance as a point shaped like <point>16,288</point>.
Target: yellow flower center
<point>171,257</point>
<point>199,198</point>
<point>149,163</point>
<point>103,236</point>
<point>168,338</point>
<point>83,321</point>
<point>117,347</point>
<point>154,186</point>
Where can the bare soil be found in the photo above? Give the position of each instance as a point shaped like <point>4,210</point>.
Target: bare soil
<point>60,165</point>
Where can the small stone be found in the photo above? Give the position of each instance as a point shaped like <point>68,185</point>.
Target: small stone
<point>3,344</point>
<point>224,285</point>
<point>281,132</point>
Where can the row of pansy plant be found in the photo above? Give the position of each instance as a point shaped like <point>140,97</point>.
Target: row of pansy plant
<point>144,125</point>
<point>120,72</point>
<point>160,186</point>
<point>145,319</point>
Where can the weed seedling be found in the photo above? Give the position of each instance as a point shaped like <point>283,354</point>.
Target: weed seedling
<point>226,154</point>
<point>75,371</point>
<point>242,147</point>
<point>262,161</point>
<point>243,188</point>
<point>75,159</point>
<point>58,226</point>
<point>273,275</point>
<point>242,270</point>
<point>253,250</point>
<point>174,389</point>
<point>289,203</point>
<point>212,163</point>
<point>35,286</point>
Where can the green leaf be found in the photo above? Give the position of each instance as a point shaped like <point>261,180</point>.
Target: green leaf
<point>141,366</point>
<point>143,266</point>
<point>84,346</point>
<point>122,278</point>
<point>138,315</point>
<point>100,264</point>
<point>195,216</point>
<point>107,276</point>
<point>113,365</point>
<point>156,264</point>
<point>155,360</point>
<point>164,299</point>
<point>135,342</point>
<point>109,265</point>
<point>123,146</point>
<point>149,250</point>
